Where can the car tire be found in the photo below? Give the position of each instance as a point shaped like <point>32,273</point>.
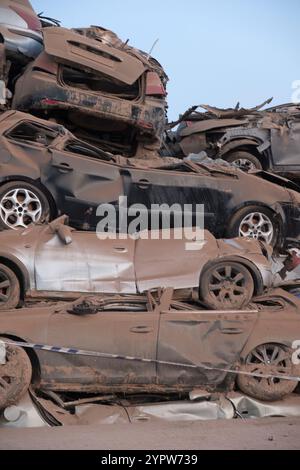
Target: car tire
<point>264,359</point>
<point>10,290</point>
<point>226,285</point>
<point>255,222</point>
<point>22,204</point>
<point>245,161</point>
<point>15,376</point>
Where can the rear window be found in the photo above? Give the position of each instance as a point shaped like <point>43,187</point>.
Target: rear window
<point>89,81</point>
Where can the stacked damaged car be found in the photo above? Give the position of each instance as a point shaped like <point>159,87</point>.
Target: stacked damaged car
<point>92,310</point>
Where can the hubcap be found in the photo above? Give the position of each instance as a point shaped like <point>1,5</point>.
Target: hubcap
<point>228,285</point>
<point>244,164</point>
<point>19,208</point>
<point>258,226</point>
<point>269,359</point>
<point>4,288</point>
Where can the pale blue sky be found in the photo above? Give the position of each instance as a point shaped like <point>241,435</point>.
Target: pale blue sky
<point>215,52</point>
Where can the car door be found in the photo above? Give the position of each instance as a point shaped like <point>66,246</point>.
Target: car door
<point>82,180</point>
<point>156,186</point>
<point>87,264</point>
<point>286,147</point>
<point>122,333</point>
<point>212,338</point>
<point>172,263</point>
<point>24,147</point>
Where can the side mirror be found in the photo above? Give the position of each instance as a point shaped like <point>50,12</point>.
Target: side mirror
<point>65,233</point>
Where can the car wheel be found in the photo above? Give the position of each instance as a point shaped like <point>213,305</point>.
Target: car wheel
<point>226,285</point>
<point>270,359</point>
<point>15,376</point>
<point>245,161</point>
<point>254,222</point>
<point>9,288</point>
<point>22,204</point>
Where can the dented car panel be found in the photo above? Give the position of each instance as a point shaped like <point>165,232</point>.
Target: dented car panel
<point>270,135</point>
<point>88,264</point>
<point>21,30</point>
<point>72,48</point>
<point>119,88</point>
<point>162,331</point>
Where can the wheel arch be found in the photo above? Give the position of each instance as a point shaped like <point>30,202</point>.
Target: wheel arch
<point>20,271</point>
<point>254,271</point>
<point>33,357</point>
<point>261,340</point>
<point>240,144</point>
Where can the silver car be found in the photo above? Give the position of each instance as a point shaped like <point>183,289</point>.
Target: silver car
<point>56,261</point>
<point>20,30</point>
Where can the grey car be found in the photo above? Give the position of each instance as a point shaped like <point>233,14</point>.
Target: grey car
<point>54,260</point>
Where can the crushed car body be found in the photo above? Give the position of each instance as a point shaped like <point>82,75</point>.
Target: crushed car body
<point>46,171</point>
<point>107,93</point>
<point>57,261</point>
<point>181,347</point>
<point>248,138</point>
<point>20,30</point>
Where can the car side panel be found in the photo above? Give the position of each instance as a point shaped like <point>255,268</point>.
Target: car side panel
<point>85,184</point>
<point>170,263</point>
<point>119,333</point>
<point>85,265</point>
<point>213,338</point>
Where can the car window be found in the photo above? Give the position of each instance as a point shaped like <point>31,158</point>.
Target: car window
<point>32,133</point>
<point>85,80</point>
<point>85,307</point>
<point>270,304</point>
<point>81,148</point>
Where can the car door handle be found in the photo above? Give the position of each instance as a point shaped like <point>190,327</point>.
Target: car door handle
<point>141,329</point>
<point>120,249</point>
<point>143,184</point>
<point>232,331</point>
<point>62,166</point>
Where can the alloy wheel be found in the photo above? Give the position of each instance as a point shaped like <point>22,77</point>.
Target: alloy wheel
<point>228,285</point>
<point>257,225</point>
<point>20,207</point>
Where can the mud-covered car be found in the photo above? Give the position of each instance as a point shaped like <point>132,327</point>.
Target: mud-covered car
<point>248,138</point>
<point>150,344</point>
<point>103,90</point>
<point>56,261</point>
<point>20,30</point>
<point>46,171</point>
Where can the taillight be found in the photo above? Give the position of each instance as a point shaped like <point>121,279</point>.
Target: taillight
<point>32,20</point>
<point>50,102</point>
<point>154,85</point>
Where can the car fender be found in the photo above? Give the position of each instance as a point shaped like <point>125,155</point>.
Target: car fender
<point>9,260</point>
<point>235,144</point>
<point>270,331</point>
